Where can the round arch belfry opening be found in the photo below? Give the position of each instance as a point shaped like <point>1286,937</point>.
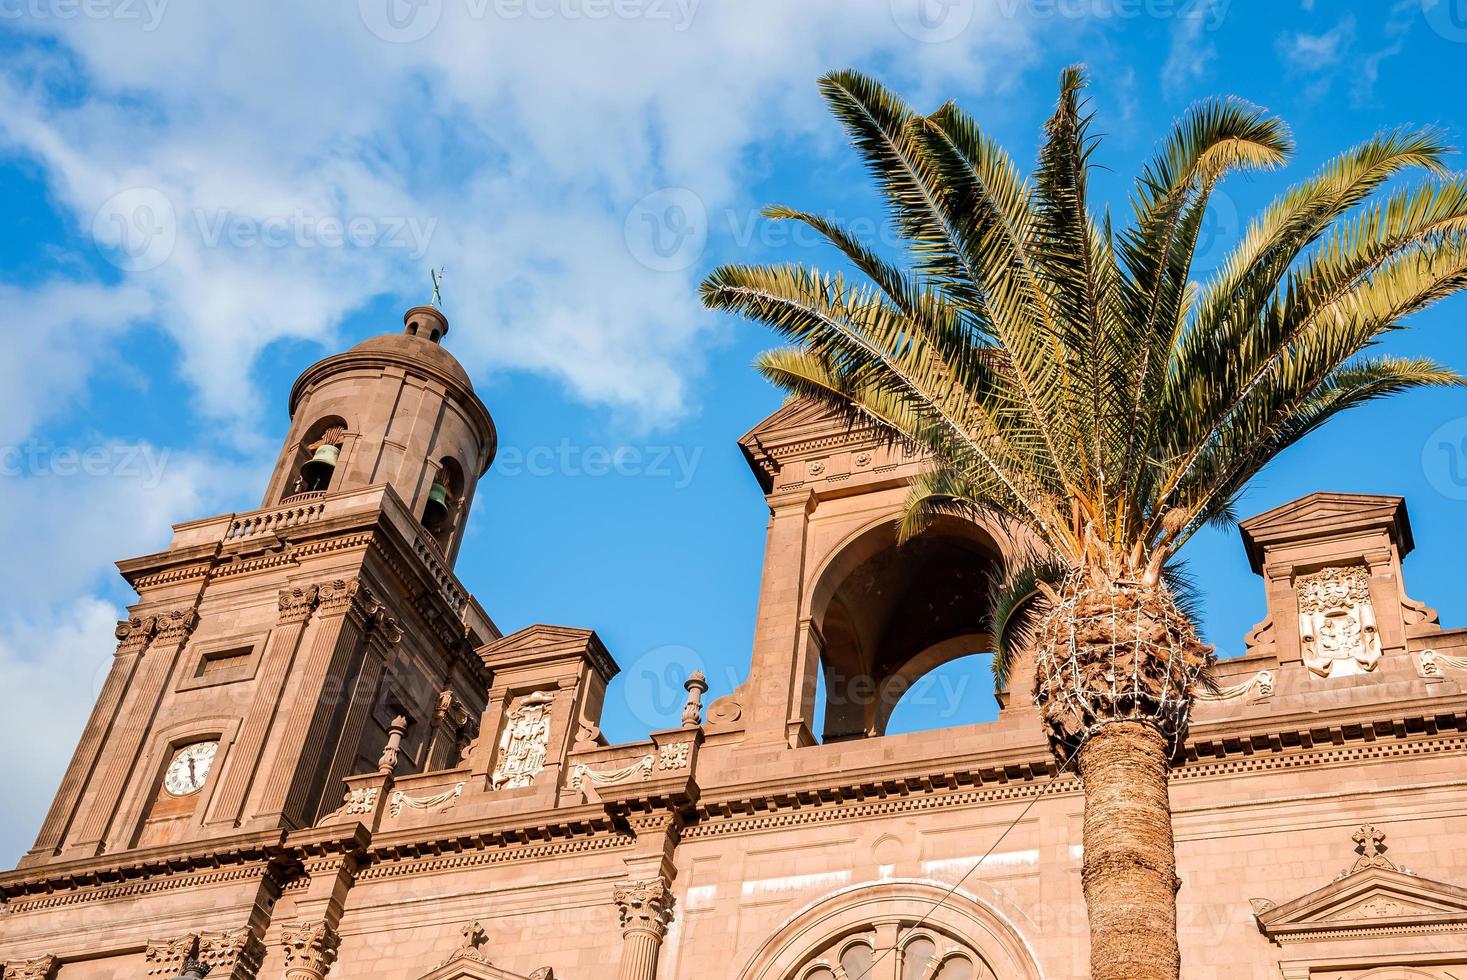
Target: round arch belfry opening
<point>884,613</point>
<point>927,928</point>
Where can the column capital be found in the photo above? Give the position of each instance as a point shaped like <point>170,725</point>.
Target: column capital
<point>645,906</point>
<point>40,968</point>
<point>297,603</point>
<point>174,625</point>
<point>310,949</point>
<point>167,957</point>
<point>133,634</point>
<point>347,595</point>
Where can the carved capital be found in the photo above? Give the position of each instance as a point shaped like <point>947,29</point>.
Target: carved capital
<point>235,953</point>
<point>166,957</point>
<point>133,634</point>
<point>310,949</point>
<point>385,629</point>
<point>40,968</point>
<point>297,603</point>
<point>347,595</point>
<point>175,625</point>
<point>645,906</point>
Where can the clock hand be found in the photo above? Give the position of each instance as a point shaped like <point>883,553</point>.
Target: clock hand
<point>192,777</point>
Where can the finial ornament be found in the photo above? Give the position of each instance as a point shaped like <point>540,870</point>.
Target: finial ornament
<point>437,276</point>
<point>1371,846</point>
<point>696,686</point>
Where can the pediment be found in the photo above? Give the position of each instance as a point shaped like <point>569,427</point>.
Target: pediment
<point>795,413</point>
<point>1324,513</point>
<point>468,967</point>
<point>1375,901</point>
<point>542,642</point>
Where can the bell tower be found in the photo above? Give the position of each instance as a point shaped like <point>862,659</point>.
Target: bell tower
<point>270,652</point>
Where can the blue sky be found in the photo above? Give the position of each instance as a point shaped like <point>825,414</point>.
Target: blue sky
<point>202,201</point>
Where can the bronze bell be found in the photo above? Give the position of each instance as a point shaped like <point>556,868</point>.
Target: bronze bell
<point>435,515</point>
<point>316,474</point>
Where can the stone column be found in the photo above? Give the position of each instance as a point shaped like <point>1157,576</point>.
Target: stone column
<point>296,606</point>
<point>40,968</point>
<point>133,635</point>
<point>646,910</point>
<point>774,694</point>
<point>119,755</point>
<point>346,606</point>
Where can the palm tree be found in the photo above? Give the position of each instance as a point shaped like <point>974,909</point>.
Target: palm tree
<point>1070,376</point>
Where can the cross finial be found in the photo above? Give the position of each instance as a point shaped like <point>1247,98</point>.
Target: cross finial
<point>1370,844</point>
<point>437,276</point>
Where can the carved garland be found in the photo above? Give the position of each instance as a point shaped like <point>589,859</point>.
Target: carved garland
<point>445,799</point>
<point>585,774</point>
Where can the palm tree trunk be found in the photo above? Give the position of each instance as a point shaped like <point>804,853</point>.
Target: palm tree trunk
<point>1130,862</point>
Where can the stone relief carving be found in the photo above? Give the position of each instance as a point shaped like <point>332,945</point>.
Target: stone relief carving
<point>1432,663</point>
<point>442,801</point>
<point>1337,621</point>
<point>675,756</point>
<point>1262,681</point>
<point>522,747</point>
<point>641,769</point>
<point>361,800</point>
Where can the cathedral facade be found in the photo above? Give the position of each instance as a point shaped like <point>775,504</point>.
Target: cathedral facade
<point>316,755</point>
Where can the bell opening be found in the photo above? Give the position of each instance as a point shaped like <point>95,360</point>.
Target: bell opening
<point>437,511</point>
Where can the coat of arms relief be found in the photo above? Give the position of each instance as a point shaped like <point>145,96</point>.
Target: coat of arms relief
<point>523,744</point>
<point>1337,621</point>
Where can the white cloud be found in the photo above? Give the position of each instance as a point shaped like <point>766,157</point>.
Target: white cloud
<point>1190,55</point>
<point>509,143</point>
<point>60,667</point>
<point>222,151</point>
<point>1305,52</point>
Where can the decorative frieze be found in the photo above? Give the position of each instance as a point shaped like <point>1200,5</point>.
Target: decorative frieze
<point>677,755</point>
<point>1337,626</point>
<point>523,745</point>
<point>310,949</point>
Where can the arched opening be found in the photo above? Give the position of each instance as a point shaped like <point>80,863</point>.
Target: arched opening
<point>914,930</point>
<point>441,512</point>
<point>885,615</point>
<point>316,459</point>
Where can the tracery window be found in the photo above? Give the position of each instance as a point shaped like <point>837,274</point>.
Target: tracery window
<point>921,953</point>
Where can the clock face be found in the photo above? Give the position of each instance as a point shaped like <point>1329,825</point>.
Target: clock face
<point>189,768</point>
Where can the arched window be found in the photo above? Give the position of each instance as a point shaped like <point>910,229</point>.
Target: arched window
<point>914,930</point>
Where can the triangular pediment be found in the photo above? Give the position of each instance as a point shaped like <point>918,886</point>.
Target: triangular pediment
<point>795,413</point>
<point>542,642</point>
<point>1373,901</point>
<point>471,968</point>
<point>1322,514</point>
